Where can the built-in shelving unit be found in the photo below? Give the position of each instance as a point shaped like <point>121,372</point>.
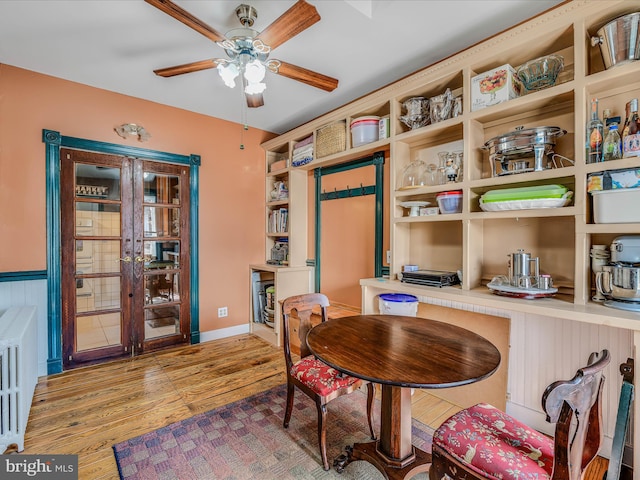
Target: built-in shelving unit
<point>473,241</point>
<point>476,242</point>
<point>287,281</point>
<point>293,277</point>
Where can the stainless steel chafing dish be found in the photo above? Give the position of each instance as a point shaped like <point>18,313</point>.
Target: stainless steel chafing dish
<point>508,153</point>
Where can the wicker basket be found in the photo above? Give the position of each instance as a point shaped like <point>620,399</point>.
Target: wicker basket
<point>331,139</point>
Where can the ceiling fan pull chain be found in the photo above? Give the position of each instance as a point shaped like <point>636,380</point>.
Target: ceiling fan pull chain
<point>243,106</point>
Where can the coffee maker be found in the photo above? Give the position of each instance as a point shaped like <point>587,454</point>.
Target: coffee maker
<point>524,279</point>
<point>524,270</point>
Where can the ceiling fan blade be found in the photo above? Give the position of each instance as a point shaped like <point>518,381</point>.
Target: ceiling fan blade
<point>295,20</point>
<point>173,10</point>
<point>254,100</point>
<point>309,77</point>
<point>187,68</point>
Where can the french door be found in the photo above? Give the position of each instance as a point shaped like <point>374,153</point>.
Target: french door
<point>125,259</point>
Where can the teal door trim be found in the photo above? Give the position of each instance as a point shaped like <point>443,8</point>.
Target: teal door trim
<point>53,143</point>
<point>377,159</point>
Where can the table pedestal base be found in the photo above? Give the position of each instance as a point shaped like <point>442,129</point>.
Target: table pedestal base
<point>368,452</point>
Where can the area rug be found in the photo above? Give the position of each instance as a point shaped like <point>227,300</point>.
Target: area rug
<point>245,440</point>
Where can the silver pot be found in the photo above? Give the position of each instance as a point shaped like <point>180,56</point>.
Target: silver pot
<point>619,40</point>
<point>535,142</point>
<point>619,282</point>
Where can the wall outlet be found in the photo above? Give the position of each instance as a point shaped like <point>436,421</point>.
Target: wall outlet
<point>223,312</point>
<point>388,256</point>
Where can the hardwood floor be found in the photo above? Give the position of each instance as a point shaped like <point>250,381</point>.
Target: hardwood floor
<point>87,410</point>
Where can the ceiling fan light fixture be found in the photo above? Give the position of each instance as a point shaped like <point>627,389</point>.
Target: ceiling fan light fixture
<point>273,65</point>
<point>255,88</point>
<point>228,72</point>
<point>254,71</point>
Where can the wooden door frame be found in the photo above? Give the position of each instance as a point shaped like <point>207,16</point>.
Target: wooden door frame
<point>54,142</point>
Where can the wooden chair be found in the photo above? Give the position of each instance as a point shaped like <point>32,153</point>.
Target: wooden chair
<point>483,442</point>
<point>313,377</point>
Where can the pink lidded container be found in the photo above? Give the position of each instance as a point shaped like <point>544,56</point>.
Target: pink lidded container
<point>450,202</point>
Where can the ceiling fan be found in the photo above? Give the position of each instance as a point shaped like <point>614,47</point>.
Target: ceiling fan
<point>248,50</point>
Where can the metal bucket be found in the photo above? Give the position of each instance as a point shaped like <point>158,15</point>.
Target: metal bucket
<point>619,40</point>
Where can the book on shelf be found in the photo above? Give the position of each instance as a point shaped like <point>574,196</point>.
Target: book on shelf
<point>278,220</point>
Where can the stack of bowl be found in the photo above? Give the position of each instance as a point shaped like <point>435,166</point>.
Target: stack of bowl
<point>599,258</point>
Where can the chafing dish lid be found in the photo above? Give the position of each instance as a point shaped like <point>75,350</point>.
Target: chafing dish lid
<point>523,139</point>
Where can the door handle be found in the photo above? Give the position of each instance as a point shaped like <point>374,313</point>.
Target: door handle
<point>139,259</point>
<point>126,259</point>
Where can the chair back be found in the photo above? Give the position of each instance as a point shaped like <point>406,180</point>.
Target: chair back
<point>303,306</point>
<point>575,406</point>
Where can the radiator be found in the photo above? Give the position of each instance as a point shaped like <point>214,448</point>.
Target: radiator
<point>18,373</point>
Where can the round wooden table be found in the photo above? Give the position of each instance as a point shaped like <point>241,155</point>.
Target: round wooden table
<point>400,353</point>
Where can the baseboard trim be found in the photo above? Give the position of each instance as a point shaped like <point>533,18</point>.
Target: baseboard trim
<point>223,333</point>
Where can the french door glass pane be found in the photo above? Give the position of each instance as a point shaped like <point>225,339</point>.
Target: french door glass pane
<point>97,294</point>
<point>159,188</point>
<point>97,256</point>
<point>161,254</point>
<point>161,222</point>
<point>161,321</point>
<point>97,220</point>
<point>161,288</point>
<point>94,181</point>
<point>97,331</point>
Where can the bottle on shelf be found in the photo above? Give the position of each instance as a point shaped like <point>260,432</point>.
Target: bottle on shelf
<point>631,142</point>
<point>595,135</point>
<point>606,115</point>
<point>624,131</point>
<point>612,141</point>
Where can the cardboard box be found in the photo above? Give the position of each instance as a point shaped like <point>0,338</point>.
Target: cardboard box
<point>495,86</point>
<point>279,165</point>
<point>613,179</point>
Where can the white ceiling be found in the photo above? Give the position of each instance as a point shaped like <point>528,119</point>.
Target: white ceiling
<point>365,44</point>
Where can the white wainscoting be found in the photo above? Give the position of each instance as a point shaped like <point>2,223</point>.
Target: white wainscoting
<point>545,349</point>
<point>30,292</point>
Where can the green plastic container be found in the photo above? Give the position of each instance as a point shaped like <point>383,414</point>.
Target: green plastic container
<point>524,193</point>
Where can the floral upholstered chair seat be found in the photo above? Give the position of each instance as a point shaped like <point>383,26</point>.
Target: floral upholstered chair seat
<point>483,442</point>
<point>320,377</point>
<point>495,445</point>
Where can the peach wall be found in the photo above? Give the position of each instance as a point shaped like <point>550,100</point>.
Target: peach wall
<point>231,180</point>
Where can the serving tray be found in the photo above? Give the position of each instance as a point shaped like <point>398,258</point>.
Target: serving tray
<point>516,292</point>
<point>527,203</point>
